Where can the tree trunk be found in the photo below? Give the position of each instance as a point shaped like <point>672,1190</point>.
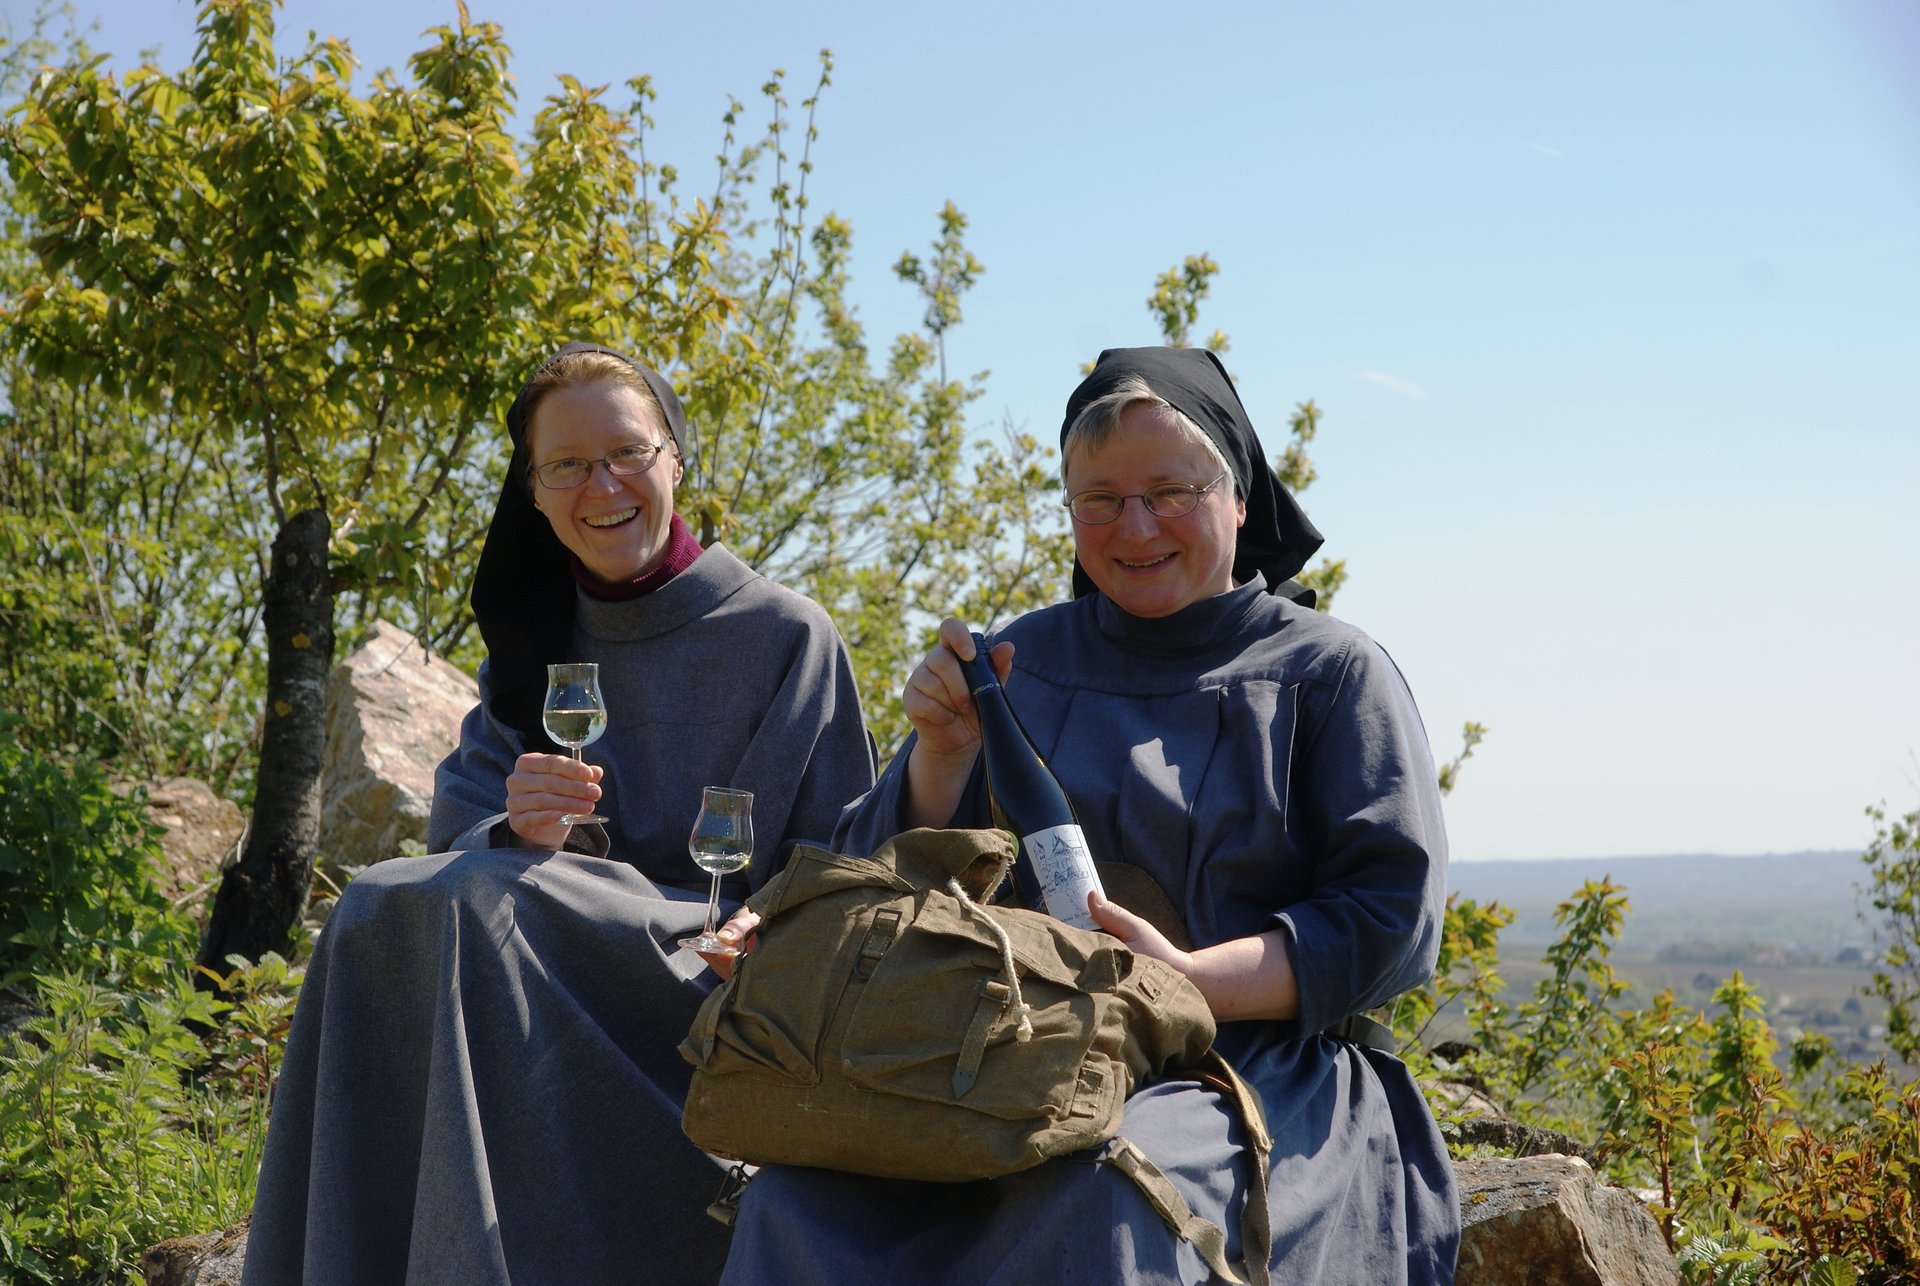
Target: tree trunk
<point>262,896</point>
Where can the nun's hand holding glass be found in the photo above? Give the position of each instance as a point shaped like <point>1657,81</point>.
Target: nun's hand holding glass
<point>542,789</point>
<point>740,937</point>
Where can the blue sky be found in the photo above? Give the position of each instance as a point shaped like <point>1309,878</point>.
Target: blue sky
<point>1610,308</point>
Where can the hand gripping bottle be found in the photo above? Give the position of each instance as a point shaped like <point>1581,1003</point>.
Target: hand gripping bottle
<point>1031,800</point>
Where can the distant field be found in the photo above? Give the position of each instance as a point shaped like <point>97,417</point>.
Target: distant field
<point>1798,904</point>
<point>1790,923</point>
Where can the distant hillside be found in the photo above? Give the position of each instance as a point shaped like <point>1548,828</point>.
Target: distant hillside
<point>1796,902</point>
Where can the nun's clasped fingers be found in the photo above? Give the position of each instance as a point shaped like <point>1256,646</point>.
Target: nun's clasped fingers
<point>542,788</point>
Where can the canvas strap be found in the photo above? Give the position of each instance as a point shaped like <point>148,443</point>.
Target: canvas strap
<point>1203,1234</point>
<point>1206,1237</point>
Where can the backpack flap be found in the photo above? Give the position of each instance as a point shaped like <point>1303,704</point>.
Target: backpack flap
<point>812,872</point>
<point>928,858</point>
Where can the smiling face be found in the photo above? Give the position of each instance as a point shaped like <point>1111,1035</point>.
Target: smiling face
<point>1148,565</point>
<point>617,526</point>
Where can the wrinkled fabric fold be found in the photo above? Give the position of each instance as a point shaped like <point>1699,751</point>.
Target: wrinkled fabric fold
<point>458,1157</point>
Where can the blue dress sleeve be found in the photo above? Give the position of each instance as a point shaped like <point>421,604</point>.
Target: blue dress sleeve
<point>1367,810</point>
<point>811,753</point>
<point>470,785</point>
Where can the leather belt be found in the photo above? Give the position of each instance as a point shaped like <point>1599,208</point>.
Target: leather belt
<point>1362,1030</point>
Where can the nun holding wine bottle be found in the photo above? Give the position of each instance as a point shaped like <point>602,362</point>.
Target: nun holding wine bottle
<point>481,1085</point>
<point>1253,781</point>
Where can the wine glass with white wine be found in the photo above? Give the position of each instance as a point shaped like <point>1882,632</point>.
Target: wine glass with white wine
<point>721,843</point>
<point>575,715</point>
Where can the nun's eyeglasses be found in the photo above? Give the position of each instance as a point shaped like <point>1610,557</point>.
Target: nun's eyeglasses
<point>1170,500</point>
<point>623,462</point>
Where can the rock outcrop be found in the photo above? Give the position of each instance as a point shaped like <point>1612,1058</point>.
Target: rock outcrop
<point>1479,1121</point>
<point>1545,1221</point>
<point>202,833</point>
<point>393,713</point>
<point>208,1259</point>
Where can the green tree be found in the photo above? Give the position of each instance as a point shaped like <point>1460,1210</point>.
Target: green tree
<point>1893,890</point>
<point>114,537</point>
<point>1175,304</point>
<point>109,537</point>
<point>335,290</point>
<point>861,483</point>
<point>1176,298</point>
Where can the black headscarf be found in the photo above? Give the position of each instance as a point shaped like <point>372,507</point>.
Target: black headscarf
<point>1277,539</point>
<point>523,589</point>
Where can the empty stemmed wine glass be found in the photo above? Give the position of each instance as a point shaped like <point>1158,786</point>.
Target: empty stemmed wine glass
<point>721,843</point>
<point>575,715</point>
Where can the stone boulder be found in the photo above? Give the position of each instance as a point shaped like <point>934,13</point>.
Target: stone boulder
<point>1546,1221</point>
<point>1459,1097</point>
<point>1477,1120</point>
<point>208,1259</point>
<point>202,834</point>
<point>393,713</point>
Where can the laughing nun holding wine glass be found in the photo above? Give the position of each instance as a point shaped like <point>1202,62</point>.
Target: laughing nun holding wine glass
<point>481,1085</point>
<point>1254,785</point>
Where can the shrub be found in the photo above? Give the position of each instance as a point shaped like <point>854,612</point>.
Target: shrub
<point>1761,1173</point>
<point>1893,888</point>
<point>123,1127</point>
<point>76,869</point>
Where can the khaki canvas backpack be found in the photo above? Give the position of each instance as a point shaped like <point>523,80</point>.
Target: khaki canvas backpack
<point>890,1023</point>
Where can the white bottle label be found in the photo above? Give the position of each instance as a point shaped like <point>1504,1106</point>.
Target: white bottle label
<point>1060,858</point>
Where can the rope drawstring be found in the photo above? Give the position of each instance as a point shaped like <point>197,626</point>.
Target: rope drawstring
<point>1016,1004</point>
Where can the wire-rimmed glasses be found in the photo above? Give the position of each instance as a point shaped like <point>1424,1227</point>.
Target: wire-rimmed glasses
<point>1169,500</point>
<point>623,462</point>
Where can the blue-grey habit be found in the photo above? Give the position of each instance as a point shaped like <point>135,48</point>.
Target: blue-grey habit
<point>481,1087</point>
<point>1267,766</point>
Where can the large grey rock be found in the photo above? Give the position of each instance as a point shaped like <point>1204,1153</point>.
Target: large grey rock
<point>393,713</point>
<point>208,1259</point>
<point>1545,1221</point>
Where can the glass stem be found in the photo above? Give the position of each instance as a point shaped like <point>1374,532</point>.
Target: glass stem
<point>579,757</point>
<point>713,905</point>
